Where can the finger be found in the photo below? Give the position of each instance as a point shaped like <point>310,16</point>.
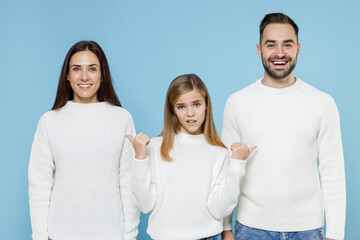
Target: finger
<point>131,138</point>
<point>252,149</point>
<point>139,134</point>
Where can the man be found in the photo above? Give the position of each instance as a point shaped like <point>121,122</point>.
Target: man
<point>293,125</point>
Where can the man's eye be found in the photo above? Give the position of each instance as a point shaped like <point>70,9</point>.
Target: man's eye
<point>271,45</point>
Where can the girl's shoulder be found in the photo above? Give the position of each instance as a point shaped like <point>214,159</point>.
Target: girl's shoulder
<point>155,142</point>
<point>220,150</point>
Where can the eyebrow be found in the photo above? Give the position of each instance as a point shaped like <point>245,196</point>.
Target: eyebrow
<point>90,65</point>
<point>285,41</point>
<point>196,101</point>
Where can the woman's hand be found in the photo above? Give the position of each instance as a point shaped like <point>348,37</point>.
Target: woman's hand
<point>139,143</point>
<point>240,151</point>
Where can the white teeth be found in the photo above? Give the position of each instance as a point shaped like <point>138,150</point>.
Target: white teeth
<point>279,63</point>
<point>84,85</point>
<point>190,121</point>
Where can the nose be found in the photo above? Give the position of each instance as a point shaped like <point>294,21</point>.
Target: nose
<point>280,51</point>
<point>84,76</point>
<point>190,112</point>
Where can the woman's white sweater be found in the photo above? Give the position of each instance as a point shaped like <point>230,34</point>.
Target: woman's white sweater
<point>80,174</point>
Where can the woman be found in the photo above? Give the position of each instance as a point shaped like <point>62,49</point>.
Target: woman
<point>79,170</point>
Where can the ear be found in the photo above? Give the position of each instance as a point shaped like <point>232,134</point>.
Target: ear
<point>258,50</point>
<point>298,48</point>
<point>67,77</point>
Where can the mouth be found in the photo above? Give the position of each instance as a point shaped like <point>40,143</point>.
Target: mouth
<point>279,64</point>
<point>84,86</point>
<point>191,121</point>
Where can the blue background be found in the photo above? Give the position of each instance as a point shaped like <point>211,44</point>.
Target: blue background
<point>148,43</point>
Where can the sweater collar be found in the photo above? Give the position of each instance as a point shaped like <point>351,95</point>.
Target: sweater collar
<point>189,138</point>
<point>288,89</point>
<point>90,106</point>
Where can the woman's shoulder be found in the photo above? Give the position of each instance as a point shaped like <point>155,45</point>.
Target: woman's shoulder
<point>119,111</point>
<point>48,116</point>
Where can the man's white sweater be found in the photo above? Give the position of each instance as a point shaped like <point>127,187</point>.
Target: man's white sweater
<point>79,174</point>
<point>190,195</point>
<point>293,127</point>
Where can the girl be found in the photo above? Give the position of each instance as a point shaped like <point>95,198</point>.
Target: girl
<point>185,176</point>
<point>79,182</point>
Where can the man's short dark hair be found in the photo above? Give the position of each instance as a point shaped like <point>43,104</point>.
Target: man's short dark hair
<point>277,18</point>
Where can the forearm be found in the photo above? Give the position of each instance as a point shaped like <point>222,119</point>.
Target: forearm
<point>224,196</point>
<point>144,189</point>
<point>40,177</point>
<point>332,171</point>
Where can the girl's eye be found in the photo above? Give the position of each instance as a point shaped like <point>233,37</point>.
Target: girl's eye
<point>197,104</point>
<point>180,107</point>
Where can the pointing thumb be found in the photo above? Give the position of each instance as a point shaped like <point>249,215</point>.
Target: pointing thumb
<point>131,138</point>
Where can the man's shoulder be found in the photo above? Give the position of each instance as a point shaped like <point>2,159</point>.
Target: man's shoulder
<point>242,94</point>
<point>315,95</point>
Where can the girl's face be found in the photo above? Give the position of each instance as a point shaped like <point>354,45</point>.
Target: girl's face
<point>190,110</point>
<point>84,76</point>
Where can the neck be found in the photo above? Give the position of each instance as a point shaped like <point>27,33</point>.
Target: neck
<point>278,83</point>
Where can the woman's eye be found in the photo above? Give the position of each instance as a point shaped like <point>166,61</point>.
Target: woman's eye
<point>197,104</point>
<point>76,69</point>
<point>93,69</point>
<point>180,107</point>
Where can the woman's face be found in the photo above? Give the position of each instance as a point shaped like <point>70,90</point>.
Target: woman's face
<point>84,76</point>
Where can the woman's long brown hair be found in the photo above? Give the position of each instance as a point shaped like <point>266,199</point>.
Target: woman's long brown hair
<point>106,91</point>
<point>179,86</point>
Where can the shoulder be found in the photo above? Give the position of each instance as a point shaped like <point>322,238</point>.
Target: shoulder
<point>48,117</point>
<point>238,98</point>
<point>155,141</point>
<point>119,112</point>
<point>221,150</point>
<point>316,97</point>
<point>239,95</point>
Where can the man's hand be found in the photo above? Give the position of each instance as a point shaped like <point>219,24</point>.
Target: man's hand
<point>227,235</point>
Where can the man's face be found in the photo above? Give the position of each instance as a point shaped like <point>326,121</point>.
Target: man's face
<point>278,50</point>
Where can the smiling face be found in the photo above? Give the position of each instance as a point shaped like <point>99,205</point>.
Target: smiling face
<point>84,76</point>
<point>279,50</point>
<point>190,110</point>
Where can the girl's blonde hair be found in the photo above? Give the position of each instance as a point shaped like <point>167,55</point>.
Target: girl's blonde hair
<point>179,86</point>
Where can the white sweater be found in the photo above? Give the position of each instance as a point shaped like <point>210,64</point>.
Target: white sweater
<point>190,195</point>
<point>79,174</point>
<point>292,127</point>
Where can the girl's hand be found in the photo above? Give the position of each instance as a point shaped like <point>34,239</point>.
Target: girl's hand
<point>227,235</point>
<point>240,151</point>
<point>139,143</point>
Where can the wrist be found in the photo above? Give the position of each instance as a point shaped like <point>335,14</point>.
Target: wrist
<point>140,156</point>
